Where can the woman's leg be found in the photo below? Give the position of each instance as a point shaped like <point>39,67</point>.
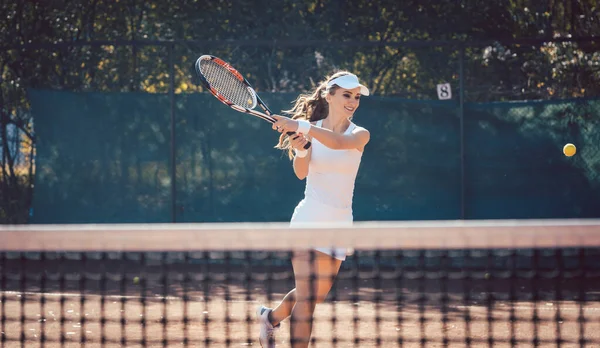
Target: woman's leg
<point>284,309</point>
<point>314,274</point>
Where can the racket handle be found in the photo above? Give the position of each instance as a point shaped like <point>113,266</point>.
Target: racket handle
<point>306,147</point>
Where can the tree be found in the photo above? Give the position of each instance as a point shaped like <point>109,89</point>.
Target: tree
<point>42,49</point>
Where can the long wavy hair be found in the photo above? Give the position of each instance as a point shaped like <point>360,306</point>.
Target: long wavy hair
<point>311,106</point>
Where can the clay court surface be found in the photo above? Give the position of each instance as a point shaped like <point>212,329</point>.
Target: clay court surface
<point>241,333</point>
<point>420,314</point>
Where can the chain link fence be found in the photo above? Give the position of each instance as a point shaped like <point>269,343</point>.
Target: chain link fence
<point>120,131</point>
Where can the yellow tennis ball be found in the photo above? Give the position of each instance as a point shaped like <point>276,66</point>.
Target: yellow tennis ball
<point>569,150</point>
<point>136,280</point>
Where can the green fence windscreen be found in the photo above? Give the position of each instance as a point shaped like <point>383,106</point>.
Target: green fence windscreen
<point>515,167</point>
<point>101,157</point>
<point>105,157</point>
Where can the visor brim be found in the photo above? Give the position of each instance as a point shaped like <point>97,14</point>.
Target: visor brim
<point>363,89</point>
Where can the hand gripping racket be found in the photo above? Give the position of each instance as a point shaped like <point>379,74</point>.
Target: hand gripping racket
<point>231,88</point>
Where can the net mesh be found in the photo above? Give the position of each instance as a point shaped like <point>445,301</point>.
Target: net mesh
<point>227,84</point>
<point>420,284</point>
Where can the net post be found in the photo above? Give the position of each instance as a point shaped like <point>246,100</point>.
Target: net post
<point>23,299</point>
<point>3,264</point>
<point>42,319</point>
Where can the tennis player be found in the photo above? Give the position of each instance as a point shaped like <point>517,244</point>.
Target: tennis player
<point>330,167</point>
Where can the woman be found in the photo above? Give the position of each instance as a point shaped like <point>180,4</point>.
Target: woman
<point>330,167</point>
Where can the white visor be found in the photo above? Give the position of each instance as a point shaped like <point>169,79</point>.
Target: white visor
<point>349,81</point>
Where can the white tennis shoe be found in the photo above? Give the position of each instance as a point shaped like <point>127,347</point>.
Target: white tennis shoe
<point>267,331</point>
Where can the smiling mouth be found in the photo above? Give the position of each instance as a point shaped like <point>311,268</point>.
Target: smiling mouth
<point>349,109</point>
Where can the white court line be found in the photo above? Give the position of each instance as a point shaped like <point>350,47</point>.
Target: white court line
<point>542,307</point>
<point>530,307</point>
<point>128,297</point>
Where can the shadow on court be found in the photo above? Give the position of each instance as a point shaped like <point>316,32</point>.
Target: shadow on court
<point>199,300</point>
<point>270,276</point>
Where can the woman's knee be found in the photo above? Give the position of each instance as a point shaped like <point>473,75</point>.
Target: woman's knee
<point>315,274</point>
<point>313,292</point>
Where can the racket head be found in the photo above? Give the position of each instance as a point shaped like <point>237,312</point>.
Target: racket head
<point>225,82</point>
<point>231,88</point>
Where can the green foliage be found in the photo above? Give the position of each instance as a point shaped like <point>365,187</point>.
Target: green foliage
<point>41,51</point>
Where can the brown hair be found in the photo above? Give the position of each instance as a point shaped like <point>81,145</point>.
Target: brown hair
<point>311,106</point>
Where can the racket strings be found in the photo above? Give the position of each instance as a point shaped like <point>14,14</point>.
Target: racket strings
<point>227,85</point>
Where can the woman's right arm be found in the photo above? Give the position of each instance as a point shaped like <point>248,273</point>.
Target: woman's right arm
<point>300,164</point>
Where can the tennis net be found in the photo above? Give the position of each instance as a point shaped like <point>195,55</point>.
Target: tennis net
<point>406,284</point>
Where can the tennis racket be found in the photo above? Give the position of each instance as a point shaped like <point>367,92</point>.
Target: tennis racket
<point>232,89</point>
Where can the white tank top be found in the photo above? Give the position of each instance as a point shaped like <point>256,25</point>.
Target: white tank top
<point>332,173</point>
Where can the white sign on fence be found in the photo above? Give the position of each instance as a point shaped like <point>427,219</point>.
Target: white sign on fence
<point>444,91</point>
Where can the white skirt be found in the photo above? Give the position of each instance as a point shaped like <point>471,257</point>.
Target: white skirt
<point>310,211</point>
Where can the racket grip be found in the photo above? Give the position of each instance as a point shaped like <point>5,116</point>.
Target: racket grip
<point>308,144</point>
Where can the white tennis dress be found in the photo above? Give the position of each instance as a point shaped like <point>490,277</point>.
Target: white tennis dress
<point>329,189</point>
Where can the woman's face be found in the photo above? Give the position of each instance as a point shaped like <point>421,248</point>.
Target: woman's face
<point>344,101</point>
